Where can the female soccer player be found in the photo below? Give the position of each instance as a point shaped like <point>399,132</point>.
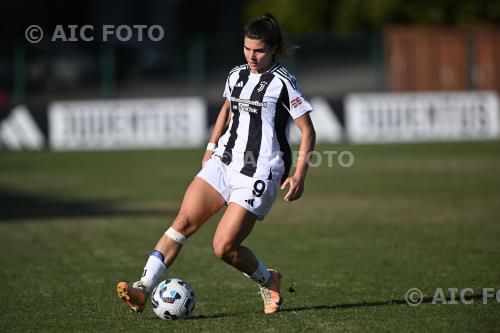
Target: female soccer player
<point>242,167</point>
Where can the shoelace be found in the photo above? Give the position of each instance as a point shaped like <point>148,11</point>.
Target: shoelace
<point>140,285</point>
<point>265,294</point>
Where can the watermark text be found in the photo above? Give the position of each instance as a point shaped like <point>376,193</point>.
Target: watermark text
<point>89,33</point>
<point>415,297</point>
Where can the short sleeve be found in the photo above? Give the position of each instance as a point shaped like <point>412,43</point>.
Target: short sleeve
<point>231,81</point>
<point>227,88</point>
<point>295,101</point>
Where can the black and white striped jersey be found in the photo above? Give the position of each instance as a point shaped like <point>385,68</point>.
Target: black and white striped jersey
<point>256,141</point>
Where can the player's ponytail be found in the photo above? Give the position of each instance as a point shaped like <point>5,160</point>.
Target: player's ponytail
<point>267,30</point>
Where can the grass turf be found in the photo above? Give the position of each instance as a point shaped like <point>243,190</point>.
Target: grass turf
<point>423,215</point>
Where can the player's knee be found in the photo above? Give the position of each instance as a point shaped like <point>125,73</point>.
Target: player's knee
<point>223,250</point>
<point>184,224</point>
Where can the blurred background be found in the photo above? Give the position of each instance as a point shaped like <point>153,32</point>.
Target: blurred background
<point>335,48</point>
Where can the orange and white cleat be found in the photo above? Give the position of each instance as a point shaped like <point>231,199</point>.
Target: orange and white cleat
<point>271,293</point>
<point>135,296</point>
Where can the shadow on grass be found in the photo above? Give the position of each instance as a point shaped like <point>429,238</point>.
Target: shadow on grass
<point>17,205</point>
<point>202,317</point>
<point>425,300</point>
<point>214,316</point>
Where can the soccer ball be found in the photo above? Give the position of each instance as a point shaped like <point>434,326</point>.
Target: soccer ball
<point>173,299</point>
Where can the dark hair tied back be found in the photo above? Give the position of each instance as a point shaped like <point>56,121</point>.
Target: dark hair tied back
<point>267,30</point>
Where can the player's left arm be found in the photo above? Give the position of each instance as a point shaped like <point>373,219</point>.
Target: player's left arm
<point>296,182</point>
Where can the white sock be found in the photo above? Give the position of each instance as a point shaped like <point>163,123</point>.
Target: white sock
<point>153,270</point>
<point>261,274</point>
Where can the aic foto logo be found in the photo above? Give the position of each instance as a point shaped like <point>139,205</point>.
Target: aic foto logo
<point>415,297</point>
<point>88,33</point>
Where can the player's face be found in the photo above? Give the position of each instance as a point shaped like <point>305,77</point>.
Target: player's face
<point>259,56</point>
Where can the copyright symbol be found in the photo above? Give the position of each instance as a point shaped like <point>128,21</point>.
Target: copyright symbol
<point>33,34</point>
<point>414,297</point>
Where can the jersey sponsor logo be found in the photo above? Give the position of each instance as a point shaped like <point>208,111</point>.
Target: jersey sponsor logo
<point>248,102</point>
<point>296,102</point>
<point>247,108</point>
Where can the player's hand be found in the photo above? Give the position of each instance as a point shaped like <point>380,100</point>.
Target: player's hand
<point>296,188</point>
<point>206,157</point>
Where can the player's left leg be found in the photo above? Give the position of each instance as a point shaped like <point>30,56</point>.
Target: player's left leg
<point>235,225</point>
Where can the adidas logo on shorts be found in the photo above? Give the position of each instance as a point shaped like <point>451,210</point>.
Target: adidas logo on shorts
<point>249,201</point>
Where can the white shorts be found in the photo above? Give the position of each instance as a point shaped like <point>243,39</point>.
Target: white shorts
<point>254,194</point>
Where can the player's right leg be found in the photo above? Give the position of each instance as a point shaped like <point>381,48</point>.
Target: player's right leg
<point>201,201</point>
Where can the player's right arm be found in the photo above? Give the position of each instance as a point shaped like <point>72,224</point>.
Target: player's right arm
<point>220,124</point>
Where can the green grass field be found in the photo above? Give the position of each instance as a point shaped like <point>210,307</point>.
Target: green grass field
<point>423,215</point>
